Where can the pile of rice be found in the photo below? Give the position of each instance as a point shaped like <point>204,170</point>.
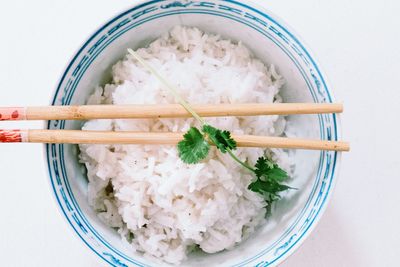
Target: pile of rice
<point>160,205</point>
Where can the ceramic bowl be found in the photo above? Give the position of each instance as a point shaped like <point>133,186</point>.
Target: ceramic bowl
<point>271,41</point>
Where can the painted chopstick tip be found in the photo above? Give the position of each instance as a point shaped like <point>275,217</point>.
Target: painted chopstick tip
<point>12,113</point>
<point>12,136</point>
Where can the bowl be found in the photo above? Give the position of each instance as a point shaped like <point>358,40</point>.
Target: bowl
<point>272,41</point>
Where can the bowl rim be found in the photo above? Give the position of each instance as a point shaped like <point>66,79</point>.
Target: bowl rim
<point>263,11</point>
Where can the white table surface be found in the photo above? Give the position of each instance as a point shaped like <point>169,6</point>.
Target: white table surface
<point>356,42</point>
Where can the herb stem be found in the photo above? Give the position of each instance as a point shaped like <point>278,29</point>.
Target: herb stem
<point>245,165</point>
<point>168,85</point>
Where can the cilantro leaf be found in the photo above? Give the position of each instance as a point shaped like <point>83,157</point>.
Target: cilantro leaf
<point>222,139</point>
<point>269,186</point>
<point>194,147</point>
<point>227,140</point>
<point>268,182</point>
<point>266,168</point>
<point>277,174</point>
<point>262,166</point>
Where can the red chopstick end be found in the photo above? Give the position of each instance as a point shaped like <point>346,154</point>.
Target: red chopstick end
<point>12,113</point>
<point>10,136</point>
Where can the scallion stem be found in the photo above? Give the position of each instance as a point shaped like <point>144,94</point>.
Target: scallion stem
<point>245,165</point>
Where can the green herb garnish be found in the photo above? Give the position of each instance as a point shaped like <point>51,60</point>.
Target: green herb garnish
<point>222,139</point>
<point>195,144</point>
<point>269,181</point>
<point>269,177</point>
<point>195,147</point>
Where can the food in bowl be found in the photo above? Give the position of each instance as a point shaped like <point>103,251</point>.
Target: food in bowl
<point>160,205</point>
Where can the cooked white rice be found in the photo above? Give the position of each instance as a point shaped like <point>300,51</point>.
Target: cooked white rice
<point>160,205</point>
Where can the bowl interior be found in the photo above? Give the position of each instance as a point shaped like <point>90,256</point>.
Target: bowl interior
<point>271,42</point>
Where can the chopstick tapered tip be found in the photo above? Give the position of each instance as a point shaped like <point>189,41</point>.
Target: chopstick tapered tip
<point>342,146</point>
<point>340,107</point>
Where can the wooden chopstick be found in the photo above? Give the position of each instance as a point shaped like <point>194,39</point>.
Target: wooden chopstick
<point>158,138</point>
<point>87,112</point>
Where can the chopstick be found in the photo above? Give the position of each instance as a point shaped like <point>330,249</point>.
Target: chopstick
<point>157,138</point>
<point>87,112</point>
<point>160,111</point>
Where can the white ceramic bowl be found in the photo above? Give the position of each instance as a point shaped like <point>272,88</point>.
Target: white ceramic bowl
<point>271,41</point>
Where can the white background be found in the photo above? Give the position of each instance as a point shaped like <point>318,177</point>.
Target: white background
<point>358,46</point>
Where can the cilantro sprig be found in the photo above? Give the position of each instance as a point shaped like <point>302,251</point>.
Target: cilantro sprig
<point>195,146</point>
<point>269,181</point>
<point>196,143</point>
